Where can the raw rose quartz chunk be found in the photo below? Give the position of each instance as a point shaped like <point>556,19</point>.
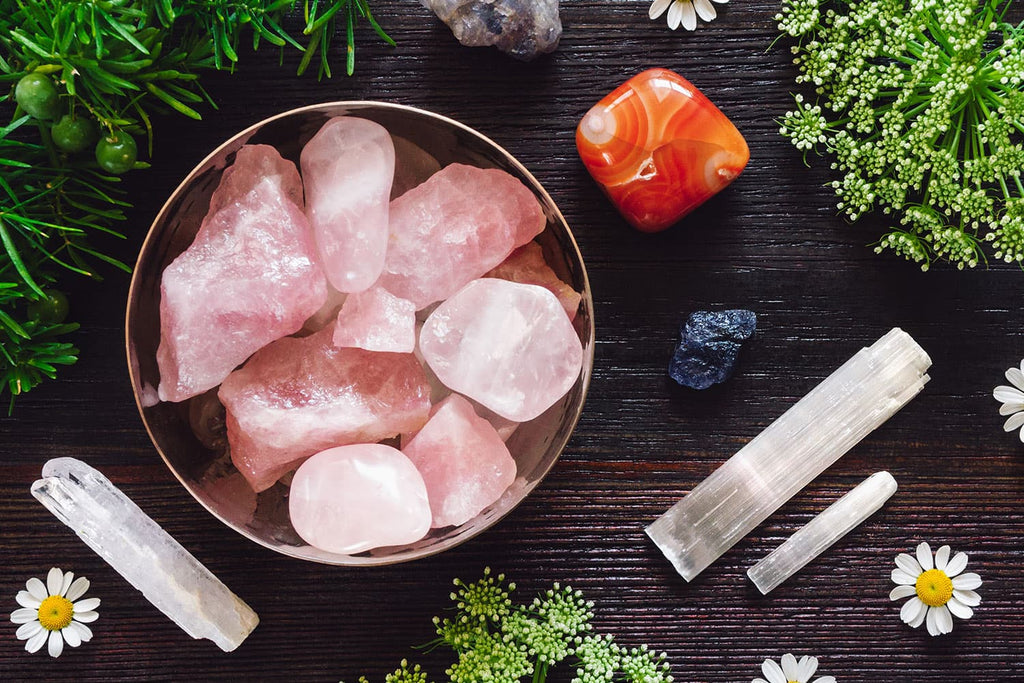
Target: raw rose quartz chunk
<point>299,396</point>
<point>453,228</point>
<point>464,462</point>
<point>251,276</point>
<point>507,345</point>
<point>376,320</point>
<point>527,265</point>
<point>354,498</point>
<point>348,168</point>
<point>327,314</point>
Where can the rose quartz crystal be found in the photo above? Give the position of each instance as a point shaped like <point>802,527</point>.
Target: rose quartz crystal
<point>507,345</point>
<point>413,165</point>
<point>348,167</point>
<point>528,266</point>
<point>298,396</point>
<point>377,320</point>
<point>464,462</point>
<point>354,498</point>
<point>251,276</point>
<point>453,228</point>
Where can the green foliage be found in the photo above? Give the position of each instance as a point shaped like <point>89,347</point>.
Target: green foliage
<point>494,639</point>
<point>920,103</point>
<point>78,71</point>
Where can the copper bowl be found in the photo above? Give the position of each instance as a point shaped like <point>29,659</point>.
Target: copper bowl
<point>188,436</point>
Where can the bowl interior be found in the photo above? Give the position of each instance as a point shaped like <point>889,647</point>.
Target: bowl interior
<point>189,435</point>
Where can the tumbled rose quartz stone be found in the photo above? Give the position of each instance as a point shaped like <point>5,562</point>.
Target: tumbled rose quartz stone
<point>506,345</point>
<point>528,266</point>
<point>464,462</point>
<point>376,320</point>
<point>353,498</point>
<point>298,396</point>
<point>659,148</point>
<point>453,228</point>
<point>347,168</point>
<point>251,276</point>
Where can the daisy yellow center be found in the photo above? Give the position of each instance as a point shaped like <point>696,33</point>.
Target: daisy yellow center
<point>934,588</point>
<point>55,613</point>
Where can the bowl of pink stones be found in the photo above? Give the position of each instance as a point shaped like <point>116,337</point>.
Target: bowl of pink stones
<point>360,333</point>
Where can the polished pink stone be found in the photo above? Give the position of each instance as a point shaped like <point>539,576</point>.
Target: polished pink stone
<point>353,498</point>
<point>528,266</point>
<point>348,168</point>
<point>251,276</point>
<point>298,396</point>
<point>455,227</point>
<point>507,345</point>
<point>464,462</point>
<point>377,320</point>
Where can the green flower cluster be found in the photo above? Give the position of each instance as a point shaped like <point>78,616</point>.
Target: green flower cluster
<point>921,105</point>
<point>498,641</point>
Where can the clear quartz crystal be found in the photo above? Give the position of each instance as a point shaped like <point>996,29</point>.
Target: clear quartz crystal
<point>820,533</point>
<point>809,437</point>
<point>143,553</point>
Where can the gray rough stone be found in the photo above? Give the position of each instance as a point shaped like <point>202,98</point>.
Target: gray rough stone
<point>521,28</point>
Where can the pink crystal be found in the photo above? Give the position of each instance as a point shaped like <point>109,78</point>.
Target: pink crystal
<point>251,276</point>
<point>528,266</point>
<point>455,227</point>
<point>413,165</point>
<point>464,462</point>
<point>298,396</point>
<point>348,168</point>
<point>353,498</point>
<point>377,320</point>
<point>507,345</point>
<point>327,314</point>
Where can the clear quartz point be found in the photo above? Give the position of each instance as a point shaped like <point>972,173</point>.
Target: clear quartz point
<point>143,553</point>
<point>780,461</point>
<point>820,533</point>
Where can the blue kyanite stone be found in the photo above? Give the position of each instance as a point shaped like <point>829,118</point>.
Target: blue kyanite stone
<point>710,342</point>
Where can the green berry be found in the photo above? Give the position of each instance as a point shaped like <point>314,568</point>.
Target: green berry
<point>73,134</point>
<point>116,153</point>
<point>52,309</point>
<point>38,96</point>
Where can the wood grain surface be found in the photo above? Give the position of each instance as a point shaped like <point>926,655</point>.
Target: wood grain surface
<point>772,242</point>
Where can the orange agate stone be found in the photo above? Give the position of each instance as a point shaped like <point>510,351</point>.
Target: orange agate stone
<point>659,148</point>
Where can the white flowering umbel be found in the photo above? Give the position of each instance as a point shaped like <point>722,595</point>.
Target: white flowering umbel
<point>921,105</point>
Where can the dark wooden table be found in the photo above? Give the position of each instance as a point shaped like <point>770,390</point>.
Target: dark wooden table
<point>772,243</point>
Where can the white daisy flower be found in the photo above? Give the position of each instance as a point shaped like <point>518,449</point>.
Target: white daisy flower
<point>792,671</point>
<point>937,588</point>
<point>1012,399</point>
<point>49,613</point>
<point>684,12</point>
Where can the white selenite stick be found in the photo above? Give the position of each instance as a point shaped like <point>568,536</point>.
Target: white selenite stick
<point>780,461</point>
<point>820,533</point>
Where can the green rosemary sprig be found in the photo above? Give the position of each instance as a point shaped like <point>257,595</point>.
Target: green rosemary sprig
<point>921,105</point>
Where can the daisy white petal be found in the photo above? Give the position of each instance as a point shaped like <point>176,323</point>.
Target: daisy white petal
<point>956,565</point>
<point>931,622</point>
<point>71,637</point>
<point>908,564</point>
<point>826,679</point>
<point>78,588</point>
<point>1015,377</point>
<point>55,644</point>
<point>1011,408</point>
<point>943,619</point>
<point>675,14</point>
<point>900,592</point>
<point>789,667</point>
<point>1013,422</point>
<point>705,10</point>
<point>65,583</point>
<point>966,582</point>
<point>903,578</point>
<point>942,557</point>
<point>26,599</point>
<point>911,610</point>
<point>808,665</point>
<point>658,8</point>
<point>36,588</point>
<point>772,671</point>
<point>924,556</point>
<point>721,2</point>
<point>758,680</point>
<point>26,631</point>
<point>36,642</point>
<point>689,15</point>
<point>969,598</point>
<point>916,623</point>
<point>24,615</point>
<point>86,617</point>
<point>83,631</point>
<point>87,605</point>
<point>54,581</point>
<point>959,609</point>
<point>1005,394</point>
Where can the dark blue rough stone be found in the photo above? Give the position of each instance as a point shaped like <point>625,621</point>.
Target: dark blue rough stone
<point>710,342</point>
